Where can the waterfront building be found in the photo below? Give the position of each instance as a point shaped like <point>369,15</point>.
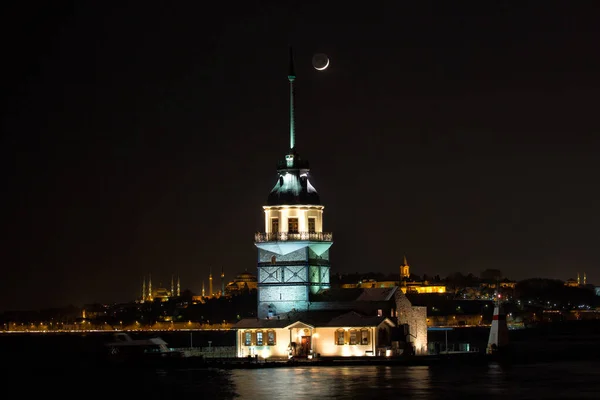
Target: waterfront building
<point>299,314</point>
<point>323,334</point>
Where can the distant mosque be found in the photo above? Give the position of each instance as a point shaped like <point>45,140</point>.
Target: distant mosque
<point>578,282</point>
<point>244,282</point>
<point>150,294</point>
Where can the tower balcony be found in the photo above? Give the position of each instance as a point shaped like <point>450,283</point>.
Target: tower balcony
<point>262,237</point>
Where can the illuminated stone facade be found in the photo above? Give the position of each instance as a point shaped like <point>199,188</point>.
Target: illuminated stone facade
<point>288,272</point>
<point>415,319</point>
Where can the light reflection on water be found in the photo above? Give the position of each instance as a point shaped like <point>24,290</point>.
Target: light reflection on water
<point>332,382</point>
<point>547,381</point>
<point>561,380</point>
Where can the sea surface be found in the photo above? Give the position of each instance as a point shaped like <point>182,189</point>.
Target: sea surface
<point>562,364</point>
<point>561,380</point>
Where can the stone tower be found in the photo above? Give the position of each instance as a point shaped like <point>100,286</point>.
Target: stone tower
<point>404,270</point>
<point>293,250</point>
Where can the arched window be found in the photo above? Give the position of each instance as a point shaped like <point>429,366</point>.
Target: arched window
<point>353,336</point>
<point>259,338</point>
<point>271,338</point>
<point>364,336</point>
<point>340,337</point>
<point>247,338</point>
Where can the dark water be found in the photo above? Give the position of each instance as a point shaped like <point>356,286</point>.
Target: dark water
<point>37,365</point>
<point>561,380</point>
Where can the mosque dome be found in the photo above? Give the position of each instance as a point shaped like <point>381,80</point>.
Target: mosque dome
<point>245,277</point>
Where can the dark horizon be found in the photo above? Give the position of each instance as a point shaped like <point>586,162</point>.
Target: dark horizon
<point>144,140</point>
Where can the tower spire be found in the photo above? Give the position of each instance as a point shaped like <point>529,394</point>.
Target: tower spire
<point>172,286</point>
<point>291,78</point>
<point>404,270</point>
<point>210,287</point>
<point>178,286</point>
<point>143,288</point>
<point>222,282</point>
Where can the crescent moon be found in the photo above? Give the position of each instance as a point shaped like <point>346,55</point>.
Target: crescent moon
<point>322,68</point>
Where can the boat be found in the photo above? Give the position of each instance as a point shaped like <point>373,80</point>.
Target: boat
<point>124,349</point>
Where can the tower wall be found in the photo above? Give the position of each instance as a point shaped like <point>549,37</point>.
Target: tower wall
<point>282,282</point>
<point>266,256</point>
<point>285,280</point>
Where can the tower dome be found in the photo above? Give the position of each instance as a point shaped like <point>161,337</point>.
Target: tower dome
<point>293,186</point>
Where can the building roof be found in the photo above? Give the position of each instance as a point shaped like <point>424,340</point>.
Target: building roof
<point>249,323</point>
<point>352,319</point>
<point>315,319</point>
<point>293,186</point>
<point>355,294</point>
<point>245,277</point>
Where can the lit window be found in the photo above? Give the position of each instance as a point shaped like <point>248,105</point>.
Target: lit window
<point>339,339</point>
<point>311,225</point>
<point>353,337</point>
<point>259,338</point>
<point>293,225</point>
<point>248,338</point>
<point>271,338</point>
<point>274,225</point>
<point>364,337</point>
<point>380,313</point>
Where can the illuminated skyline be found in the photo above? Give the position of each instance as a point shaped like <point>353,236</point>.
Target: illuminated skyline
<point>463,138</point>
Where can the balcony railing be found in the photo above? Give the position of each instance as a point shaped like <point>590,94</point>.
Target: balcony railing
<point>286,236</point>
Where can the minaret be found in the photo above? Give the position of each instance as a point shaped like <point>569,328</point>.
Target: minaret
<point>222,282</point>
<point>203,291</point>
<point>578,280</point>
<point>143,289</point>
<point>178,287</point>
<point>584,279</point>
<point>293,251</point>
<point>172,286</point>
<point>210,288</point>
<point>150,287</point>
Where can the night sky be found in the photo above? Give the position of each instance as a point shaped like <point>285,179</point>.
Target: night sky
<point>144,138</point>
